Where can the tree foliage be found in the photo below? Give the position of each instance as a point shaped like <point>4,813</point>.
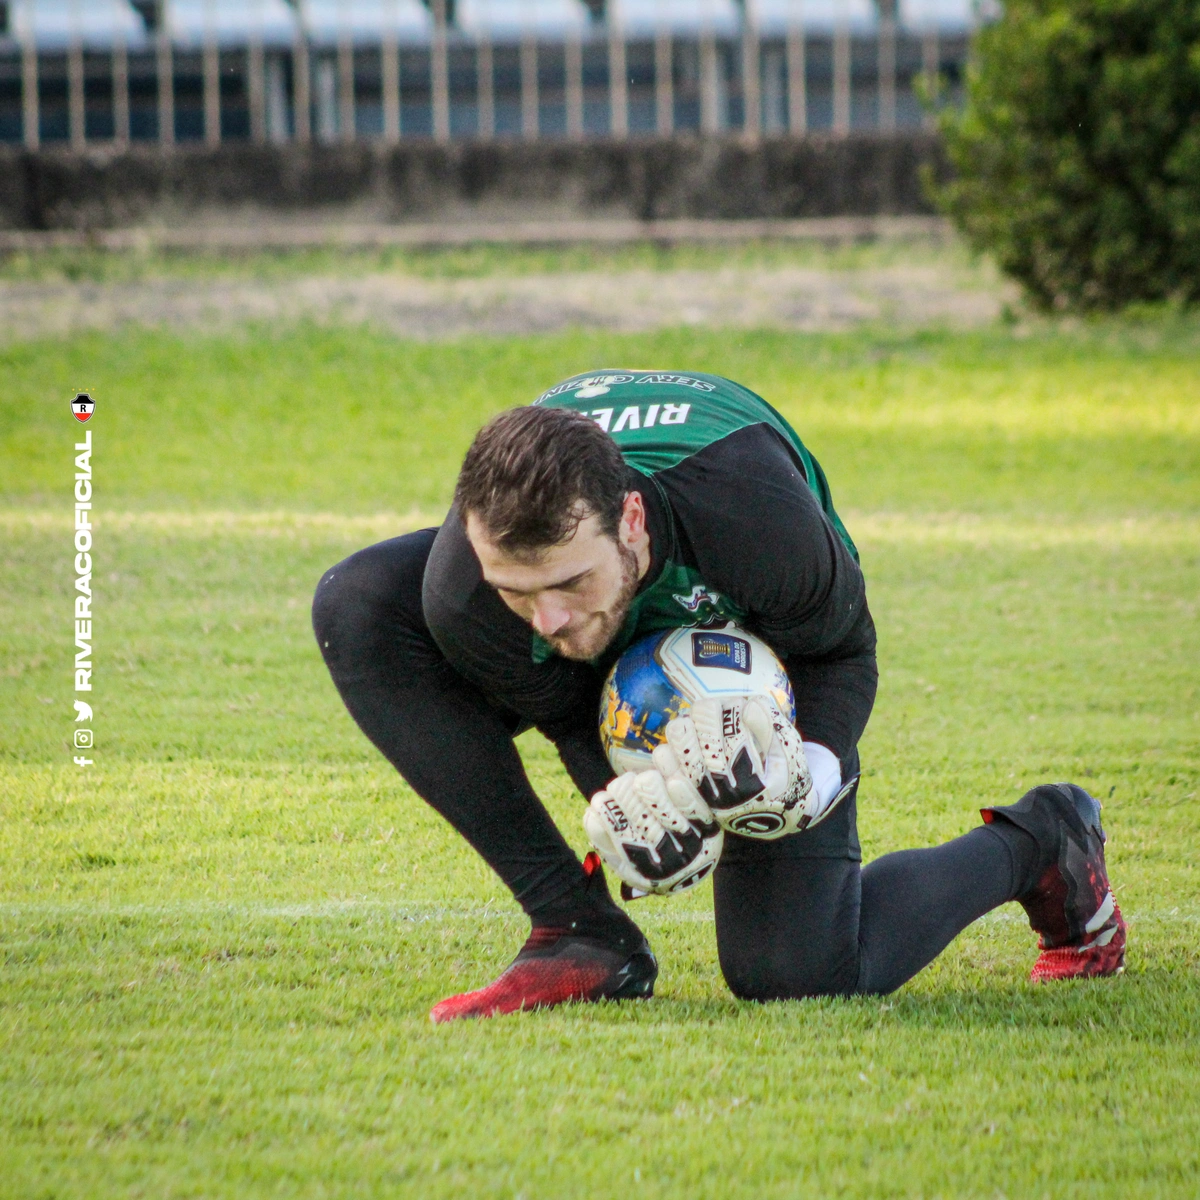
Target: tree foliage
<point>1077,154</point>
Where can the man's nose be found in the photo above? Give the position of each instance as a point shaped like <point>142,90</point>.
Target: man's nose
<point>549,615</point>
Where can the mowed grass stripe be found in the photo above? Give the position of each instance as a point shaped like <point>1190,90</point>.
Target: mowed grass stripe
<point>1099,420</point>
<point>963,528</point>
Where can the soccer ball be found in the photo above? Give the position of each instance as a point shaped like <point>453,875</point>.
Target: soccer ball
<point>660,675</point>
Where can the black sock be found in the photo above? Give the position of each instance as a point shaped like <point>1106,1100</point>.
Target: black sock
<point>589,911</point>
<point>915,902</point>
<point>1027,855</point>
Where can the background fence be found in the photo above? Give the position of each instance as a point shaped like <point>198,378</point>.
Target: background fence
<point>165,72</point>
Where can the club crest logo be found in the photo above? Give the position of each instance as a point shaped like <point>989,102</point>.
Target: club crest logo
<point>721,650</point>
<point>699,595</point>
<point>83,406</point>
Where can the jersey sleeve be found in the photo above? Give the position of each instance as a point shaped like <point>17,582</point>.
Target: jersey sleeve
<point>758,533</point>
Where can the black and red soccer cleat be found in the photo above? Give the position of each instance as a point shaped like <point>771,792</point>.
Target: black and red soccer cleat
<point>1071,906</point>
<point>558,965</point>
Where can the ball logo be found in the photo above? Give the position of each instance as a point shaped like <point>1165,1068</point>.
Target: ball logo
<point>721,650</point>
<point>83,406</point>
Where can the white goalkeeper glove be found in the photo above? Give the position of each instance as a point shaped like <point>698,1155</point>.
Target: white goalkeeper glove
<point>747,761</point>
<point>658,836</point>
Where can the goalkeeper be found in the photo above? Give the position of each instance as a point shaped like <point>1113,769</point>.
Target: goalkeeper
<point>630,501</point>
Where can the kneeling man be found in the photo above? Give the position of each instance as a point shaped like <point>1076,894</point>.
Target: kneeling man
<point>626,502</point>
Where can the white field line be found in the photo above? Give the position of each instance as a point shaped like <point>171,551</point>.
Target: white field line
<point>947,528</point>
<point>423,913</point>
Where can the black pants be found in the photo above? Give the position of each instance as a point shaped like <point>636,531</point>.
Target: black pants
<point>794,917</point>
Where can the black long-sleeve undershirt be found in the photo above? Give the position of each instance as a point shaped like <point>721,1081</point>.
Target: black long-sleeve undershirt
<point>746,520</point>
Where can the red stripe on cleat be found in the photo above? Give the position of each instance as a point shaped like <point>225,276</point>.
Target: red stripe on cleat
<point>1102,954</point>
<point>556,967</point>
<point>534,984</point>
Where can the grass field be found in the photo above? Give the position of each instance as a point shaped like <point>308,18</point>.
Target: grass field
<point>220,942</point>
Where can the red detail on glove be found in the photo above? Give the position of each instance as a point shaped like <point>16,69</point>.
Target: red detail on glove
<point>591,863</point>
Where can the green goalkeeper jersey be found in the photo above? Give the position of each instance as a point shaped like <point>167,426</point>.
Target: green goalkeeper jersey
<point>659,419</point>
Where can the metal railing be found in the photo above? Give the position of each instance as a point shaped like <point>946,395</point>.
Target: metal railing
<point>163,84</point>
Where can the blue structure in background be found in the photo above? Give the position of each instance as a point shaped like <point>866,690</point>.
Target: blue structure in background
<point>174,71</point>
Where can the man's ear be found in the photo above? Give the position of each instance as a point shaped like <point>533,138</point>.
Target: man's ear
<point>633,518</point>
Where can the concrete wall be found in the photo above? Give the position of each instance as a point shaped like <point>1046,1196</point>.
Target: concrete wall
<point>861,175</point>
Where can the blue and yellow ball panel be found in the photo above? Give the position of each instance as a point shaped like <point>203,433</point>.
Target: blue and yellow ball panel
<point>638,700</point>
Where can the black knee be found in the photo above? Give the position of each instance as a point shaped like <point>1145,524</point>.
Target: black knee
<point>763,979</point>
<point>347,604</point>
<point>369,605</point>
<point>787,928</point>
<point>346,592</point>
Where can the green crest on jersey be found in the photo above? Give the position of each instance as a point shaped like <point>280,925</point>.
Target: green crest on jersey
<point>659,418</point>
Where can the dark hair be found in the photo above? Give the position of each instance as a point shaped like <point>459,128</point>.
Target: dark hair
<point>532,474</point>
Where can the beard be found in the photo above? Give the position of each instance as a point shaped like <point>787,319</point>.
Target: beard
<point>601,628</point>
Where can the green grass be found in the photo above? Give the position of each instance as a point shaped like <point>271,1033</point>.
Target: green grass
<point>1100,419</point>
<point>220,943</point>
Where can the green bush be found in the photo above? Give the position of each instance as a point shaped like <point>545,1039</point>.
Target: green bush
<point>1077,154</point>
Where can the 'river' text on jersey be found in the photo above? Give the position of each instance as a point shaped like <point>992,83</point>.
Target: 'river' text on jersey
<point>631,416</point>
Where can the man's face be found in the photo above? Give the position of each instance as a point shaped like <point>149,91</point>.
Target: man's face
<point>576,595</point>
